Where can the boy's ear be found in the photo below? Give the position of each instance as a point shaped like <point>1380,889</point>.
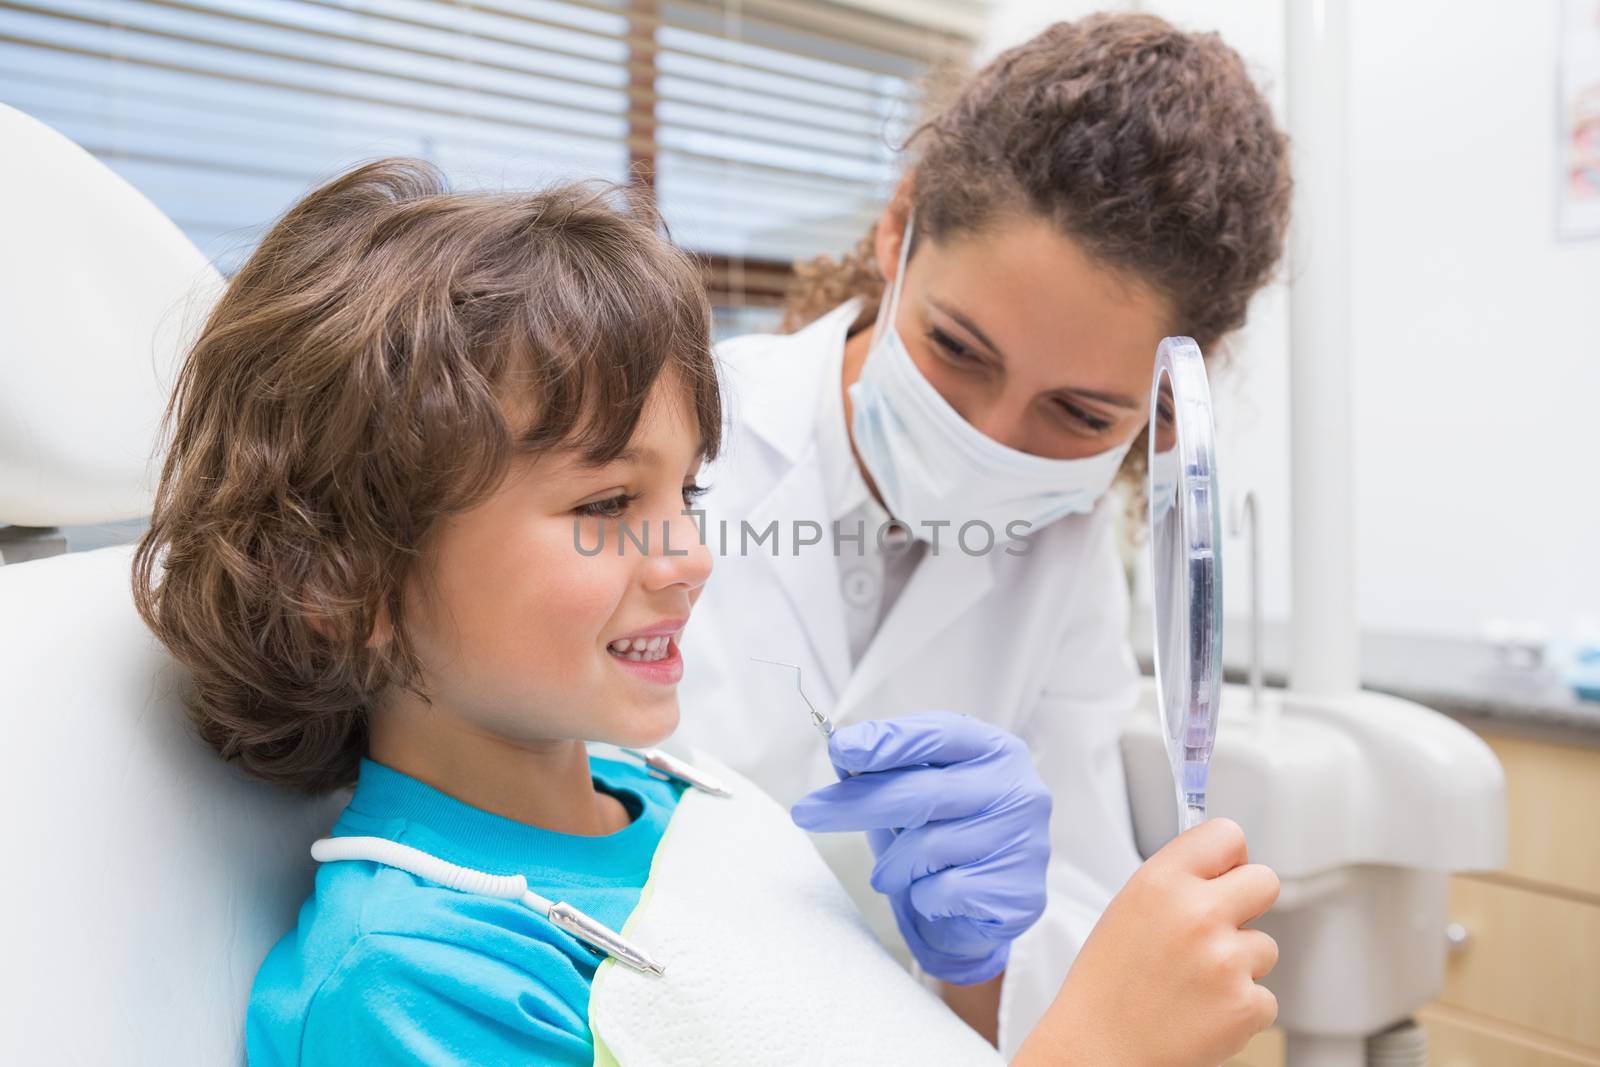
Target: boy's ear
<point>892,229</point>
<point>382,629</point>
<point>382,626</point>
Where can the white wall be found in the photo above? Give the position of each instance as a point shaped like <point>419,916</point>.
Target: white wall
<point>1475,333</point>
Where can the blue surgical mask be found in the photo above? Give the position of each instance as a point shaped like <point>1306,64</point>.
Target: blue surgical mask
<point>932,465</point>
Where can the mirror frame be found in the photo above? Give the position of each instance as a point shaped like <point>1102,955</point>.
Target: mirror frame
<point>1189,532</point>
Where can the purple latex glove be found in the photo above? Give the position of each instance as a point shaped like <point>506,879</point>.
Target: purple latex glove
<point>960,824</point>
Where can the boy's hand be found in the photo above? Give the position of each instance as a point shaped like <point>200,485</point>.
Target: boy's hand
<point>1168,976</point>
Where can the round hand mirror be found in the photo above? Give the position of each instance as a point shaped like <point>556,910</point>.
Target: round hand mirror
<point>1185,539</point>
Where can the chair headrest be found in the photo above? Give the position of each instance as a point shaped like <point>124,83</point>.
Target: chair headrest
<point>147,874</point>
<point>99,292</point>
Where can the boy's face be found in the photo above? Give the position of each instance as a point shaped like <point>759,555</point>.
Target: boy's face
<point>520,633</point>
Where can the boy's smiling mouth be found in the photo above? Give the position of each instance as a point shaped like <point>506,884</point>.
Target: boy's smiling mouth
<point>652,653</point>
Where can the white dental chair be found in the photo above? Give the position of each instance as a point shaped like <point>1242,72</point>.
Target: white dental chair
<point>144,879</point>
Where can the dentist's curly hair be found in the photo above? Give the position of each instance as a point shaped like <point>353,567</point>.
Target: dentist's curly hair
<point>384,353</point>
<point>1148,145</point>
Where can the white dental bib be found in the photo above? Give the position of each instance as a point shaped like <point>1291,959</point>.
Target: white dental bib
<point>767,960</point>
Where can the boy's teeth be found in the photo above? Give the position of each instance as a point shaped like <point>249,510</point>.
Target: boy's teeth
<point>645,649</point>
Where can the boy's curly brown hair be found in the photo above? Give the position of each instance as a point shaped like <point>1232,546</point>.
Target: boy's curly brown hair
<point>1148,145</point>
<point>384,353</point>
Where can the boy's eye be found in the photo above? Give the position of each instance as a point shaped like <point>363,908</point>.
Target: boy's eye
<point>694,491</point>
<point>954,351</point>
<point>610,508</point>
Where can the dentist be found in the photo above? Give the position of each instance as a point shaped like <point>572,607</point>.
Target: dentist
<point>913,505</point>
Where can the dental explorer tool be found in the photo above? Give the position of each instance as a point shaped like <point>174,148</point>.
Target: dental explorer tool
<point>819,720</point>
<point>823,724</point>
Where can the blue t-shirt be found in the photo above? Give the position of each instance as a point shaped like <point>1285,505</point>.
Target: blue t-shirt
<point>384,967</point>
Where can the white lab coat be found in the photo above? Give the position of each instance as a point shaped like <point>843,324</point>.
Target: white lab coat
<point>1033,643</point>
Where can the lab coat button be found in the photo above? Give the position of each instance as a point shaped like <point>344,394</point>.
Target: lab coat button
<point>860,587</point>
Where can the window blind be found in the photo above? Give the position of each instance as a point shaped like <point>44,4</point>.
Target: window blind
<point>767,128</point>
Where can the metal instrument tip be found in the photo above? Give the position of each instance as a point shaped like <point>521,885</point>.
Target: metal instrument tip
<point>819,720</point>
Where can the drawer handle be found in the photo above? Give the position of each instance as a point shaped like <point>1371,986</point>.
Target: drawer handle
<point>1457,937</point>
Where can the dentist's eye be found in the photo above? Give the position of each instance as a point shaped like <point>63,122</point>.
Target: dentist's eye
<point>1085,419</point>
<point>611,507</point>
<point>694,491</point>
<point>954,351</point>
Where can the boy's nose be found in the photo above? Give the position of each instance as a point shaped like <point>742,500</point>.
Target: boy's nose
<point>683,558</point>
